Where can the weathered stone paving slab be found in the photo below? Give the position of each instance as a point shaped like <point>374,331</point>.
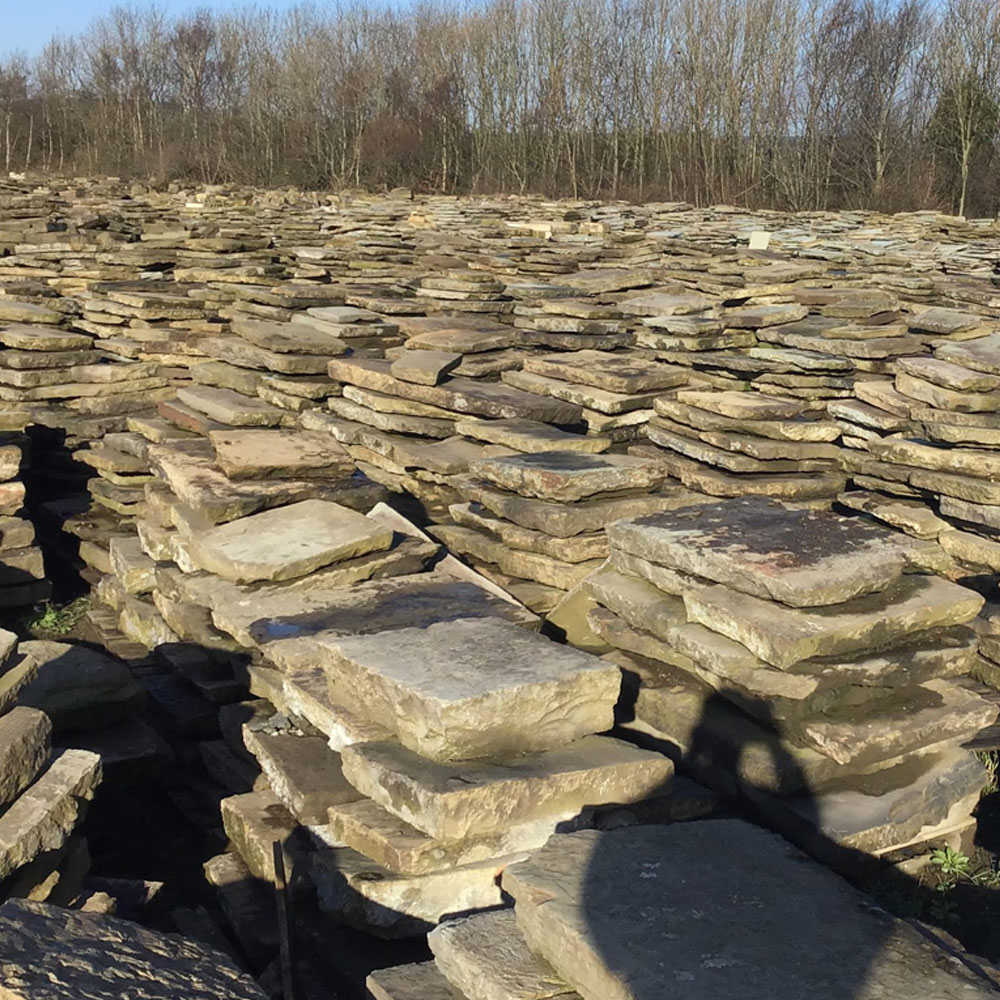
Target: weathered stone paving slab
<point>718,909</point>
<point>473,688</point>
<point>48,953</point>
<point>486,957</point>
<point>421,981</point>
<point>783,636</point>
<point>568,476</point>
<point>287,542</point>
<point>454,801</point>
<point>760,547</point>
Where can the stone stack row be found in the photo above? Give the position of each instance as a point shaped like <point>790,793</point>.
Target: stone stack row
<point>728,444</point>
<point>811,664</point>
<point>402,427</point>
<point>446,763</point>
<point>534,522</point>
<point>44,790</point>
<point>923,450</point>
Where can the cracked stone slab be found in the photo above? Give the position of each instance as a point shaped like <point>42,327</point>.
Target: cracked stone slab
<point>473,688</point>
<point>719,908</point>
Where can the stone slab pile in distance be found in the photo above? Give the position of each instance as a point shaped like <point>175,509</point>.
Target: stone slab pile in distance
<point>810,663</point>
<point>748,916</point>
<point>399,421</point>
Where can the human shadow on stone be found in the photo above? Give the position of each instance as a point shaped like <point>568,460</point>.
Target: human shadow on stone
<point>725,907</point>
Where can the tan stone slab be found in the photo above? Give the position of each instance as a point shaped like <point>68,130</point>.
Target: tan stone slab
<point>279,454</point>
<point>287,542</point>
<point>473,688</point>
<point>487,958</point>
<point>783,636</point>
<point>456,801</point>
<point>45,814</point>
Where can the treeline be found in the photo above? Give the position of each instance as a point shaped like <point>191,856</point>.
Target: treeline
<point>798,104</point>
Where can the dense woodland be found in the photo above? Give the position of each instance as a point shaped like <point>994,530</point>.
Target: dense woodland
<point>797,104</point>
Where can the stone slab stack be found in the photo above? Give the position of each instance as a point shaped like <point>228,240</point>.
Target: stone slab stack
<point>452,765</point>
<point>924,452</point>
<point>22,569</point>
<point>44,790</point>
<point>534,522</point>
<point>402,427</point>
<point>615,390</point>
<point>720,907</point>
<point>728,444</point>
<point>216,481</point>
<point>809,663</point>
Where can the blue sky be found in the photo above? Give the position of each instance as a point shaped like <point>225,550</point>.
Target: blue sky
<point>27,25</point>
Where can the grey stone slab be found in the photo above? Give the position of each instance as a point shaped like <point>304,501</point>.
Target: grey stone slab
<point>720,908</point>
<point>760,547</point>
<point>25,742</point>
<point>43,816</point>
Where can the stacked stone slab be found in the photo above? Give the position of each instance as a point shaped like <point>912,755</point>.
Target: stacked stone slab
<point>451,764</point>
<point>534,522</point>
<point>43,791</point>
<point>572,324</point>
<point>22,570</point>
<point>809,663</point>
<point>616,391</point>
<point>401,426</point>
<point>720,907</point>
<point>728,444</point>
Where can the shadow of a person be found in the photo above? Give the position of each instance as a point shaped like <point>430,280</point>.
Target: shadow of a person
<point>724,909</point>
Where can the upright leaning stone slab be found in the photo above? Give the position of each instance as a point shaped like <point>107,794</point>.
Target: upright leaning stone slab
<point>760,547</point>
<point>473,688</point>
<point>287,542</point>
<point>48,953</point>
<point>717,909</point>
